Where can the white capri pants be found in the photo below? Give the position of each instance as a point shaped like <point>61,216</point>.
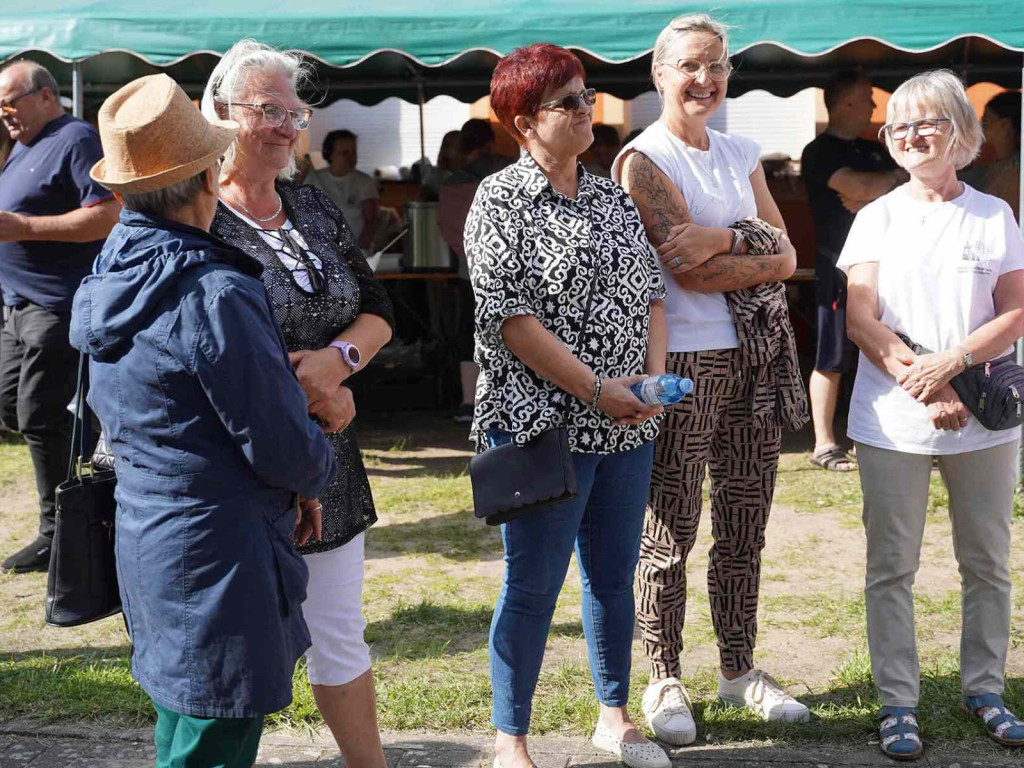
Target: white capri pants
<point>334,613</point>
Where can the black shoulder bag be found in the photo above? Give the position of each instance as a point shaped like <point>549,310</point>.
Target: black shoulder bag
<point>510,481</point>
<point>991,391</point>
<point>82,582</point>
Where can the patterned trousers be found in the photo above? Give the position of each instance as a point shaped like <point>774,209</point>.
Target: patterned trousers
<point>712,428</point>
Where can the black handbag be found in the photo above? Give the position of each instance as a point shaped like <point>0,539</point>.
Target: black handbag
<point>991,391</point>
<point>81,585</point>
<point>510,481</point>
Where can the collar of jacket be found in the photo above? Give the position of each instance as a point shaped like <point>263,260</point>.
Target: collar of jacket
<point>197,239</point>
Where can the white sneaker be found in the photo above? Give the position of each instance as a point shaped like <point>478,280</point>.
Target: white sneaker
<point>666,704</point>
<point>644,754</point>
<point>761,694</point>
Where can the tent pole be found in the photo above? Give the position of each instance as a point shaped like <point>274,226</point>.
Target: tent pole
<point>77,91</point>
<point>423,133</point>
<point>1020,342</point>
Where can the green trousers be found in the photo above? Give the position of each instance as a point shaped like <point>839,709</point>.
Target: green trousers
<point>183,741</point>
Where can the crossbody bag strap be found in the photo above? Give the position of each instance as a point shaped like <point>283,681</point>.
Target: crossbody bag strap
<point>567,398</point>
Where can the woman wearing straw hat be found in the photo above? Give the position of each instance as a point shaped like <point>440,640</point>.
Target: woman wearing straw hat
<point>210,432</point>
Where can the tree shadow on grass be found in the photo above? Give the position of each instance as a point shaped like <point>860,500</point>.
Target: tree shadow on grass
<point>400,467</point>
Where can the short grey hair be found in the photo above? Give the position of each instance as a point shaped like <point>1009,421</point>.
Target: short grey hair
<point>168,199</point>
<point>943,94</point>
<point>680,27</point>
<point>39,77</point>
<point>232,76</point>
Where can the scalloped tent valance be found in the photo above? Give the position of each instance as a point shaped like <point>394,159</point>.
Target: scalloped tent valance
<point>409,48</point>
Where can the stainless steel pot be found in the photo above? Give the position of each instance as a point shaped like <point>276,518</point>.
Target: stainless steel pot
<point>424,248</point>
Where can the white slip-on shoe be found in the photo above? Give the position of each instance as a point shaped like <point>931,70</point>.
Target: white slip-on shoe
<point>668,710</point>
<point>761,694</point>
<point>644,754</point>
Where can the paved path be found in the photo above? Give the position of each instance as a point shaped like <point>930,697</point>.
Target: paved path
<point>23,745</point>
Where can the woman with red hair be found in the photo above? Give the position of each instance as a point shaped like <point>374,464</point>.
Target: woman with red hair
<point>568,316</point>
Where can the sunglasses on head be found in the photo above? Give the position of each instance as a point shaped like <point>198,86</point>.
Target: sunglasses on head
<point>573,101</point>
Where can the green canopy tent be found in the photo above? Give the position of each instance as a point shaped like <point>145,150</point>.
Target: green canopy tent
<point>418,49</point>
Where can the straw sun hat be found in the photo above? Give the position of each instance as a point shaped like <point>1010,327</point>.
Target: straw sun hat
<point>153,137</point>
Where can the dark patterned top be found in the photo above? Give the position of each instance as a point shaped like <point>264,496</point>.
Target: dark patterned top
<point>533,251</point>
<point>312,321</point>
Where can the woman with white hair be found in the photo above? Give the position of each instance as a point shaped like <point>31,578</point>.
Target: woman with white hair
<point>936,264</point>
<point>691,183</point>
<point>335,316</point>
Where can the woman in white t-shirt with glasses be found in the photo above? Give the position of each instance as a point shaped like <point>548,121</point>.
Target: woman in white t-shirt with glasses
<point>941,264</point>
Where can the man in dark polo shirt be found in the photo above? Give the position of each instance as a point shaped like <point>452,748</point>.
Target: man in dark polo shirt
<point>842,173</point>
<point>53,220</point>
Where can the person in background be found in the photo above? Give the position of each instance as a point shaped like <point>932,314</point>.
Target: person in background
<point>53,220</point>
<point>606,146</point>
<point>334,316</point>
<point>842,173</point>
<point>943,265</point>
<point>208,426</point>
<point>541,235</point>
<point>691,183</point>
<point>449,160</point>
<point>353,191</point>
<point>1001,121</point>
<point>476,142</point>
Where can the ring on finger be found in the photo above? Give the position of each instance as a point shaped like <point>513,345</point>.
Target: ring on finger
<point>675,261</point>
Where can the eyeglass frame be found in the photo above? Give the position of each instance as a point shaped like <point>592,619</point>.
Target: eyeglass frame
<point>703,68</point>
<point>7,107</point>
<point>292,113</point>
<point>581,97</point>
<point>887,128</point>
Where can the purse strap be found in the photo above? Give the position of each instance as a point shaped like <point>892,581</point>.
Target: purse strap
<point>81,431</point>
<point>566,397</point>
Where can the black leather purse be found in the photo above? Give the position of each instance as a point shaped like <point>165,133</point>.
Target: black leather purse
<point>81,585</point>
<point>510,481</point>
<point>991,391</point>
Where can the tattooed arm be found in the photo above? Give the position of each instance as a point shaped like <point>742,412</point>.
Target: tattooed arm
<point>704,263</point>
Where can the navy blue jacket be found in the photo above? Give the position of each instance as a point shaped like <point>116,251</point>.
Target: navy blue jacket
<point>191,381</point>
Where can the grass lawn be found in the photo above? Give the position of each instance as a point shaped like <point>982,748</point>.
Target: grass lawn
<point>432,576</point>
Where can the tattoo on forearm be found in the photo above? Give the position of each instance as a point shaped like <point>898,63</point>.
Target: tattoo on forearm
<point>652,193</point>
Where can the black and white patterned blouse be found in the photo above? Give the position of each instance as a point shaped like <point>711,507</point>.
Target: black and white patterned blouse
<point>312,316</point>
<point>533,251</point>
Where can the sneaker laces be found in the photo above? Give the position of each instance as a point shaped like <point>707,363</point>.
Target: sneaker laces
<point>765,692</point>
<point>673,700</point>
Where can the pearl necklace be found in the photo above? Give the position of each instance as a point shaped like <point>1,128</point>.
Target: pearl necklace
<point>254,217</point>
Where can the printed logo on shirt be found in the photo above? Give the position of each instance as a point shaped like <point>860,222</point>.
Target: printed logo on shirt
<point>975,258</point>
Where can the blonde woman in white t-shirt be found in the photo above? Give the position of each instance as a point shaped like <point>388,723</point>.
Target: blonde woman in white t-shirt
<point>691,183</point>
<point>941,264</point>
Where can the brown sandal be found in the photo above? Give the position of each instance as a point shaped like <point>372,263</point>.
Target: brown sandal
<point>834,459</point>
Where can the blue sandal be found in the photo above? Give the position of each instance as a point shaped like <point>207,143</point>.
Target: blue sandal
<point>898,733</point>
<point>1003,726</point>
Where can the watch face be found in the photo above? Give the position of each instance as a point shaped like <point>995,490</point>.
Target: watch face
<point>353,354</point>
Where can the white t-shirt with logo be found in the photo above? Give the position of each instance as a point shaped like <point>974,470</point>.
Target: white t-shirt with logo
<point>716,186</point>
<point>938,264</point>
<point>348,193</point>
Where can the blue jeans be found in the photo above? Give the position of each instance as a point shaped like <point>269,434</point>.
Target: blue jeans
<point>604,523</point>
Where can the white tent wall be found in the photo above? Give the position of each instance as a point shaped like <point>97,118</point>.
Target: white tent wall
<point>389,132</point>
<point>783,125</point>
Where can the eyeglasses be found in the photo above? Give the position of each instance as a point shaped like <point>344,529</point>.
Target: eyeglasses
<point>7,108</point>
<point>717,70</point>
<point>926,126</point>
<point>274,115</point>
<point>573,101</point>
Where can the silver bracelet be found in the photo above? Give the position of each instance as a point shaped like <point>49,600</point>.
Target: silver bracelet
<point>597,392</point>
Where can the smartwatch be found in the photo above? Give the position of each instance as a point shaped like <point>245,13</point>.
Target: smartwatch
<point>349,353</point>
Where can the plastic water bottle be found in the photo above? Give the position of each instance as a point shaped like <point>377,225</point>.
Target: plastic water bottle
<point>662,390</point>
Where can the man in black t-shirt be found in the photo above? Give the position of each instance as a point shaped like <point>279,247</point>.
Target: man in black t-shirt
<point>53,221</point>
<point>842,173</point>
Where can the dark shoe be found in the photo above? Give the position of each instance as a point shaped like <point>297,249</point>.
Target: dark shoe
<point>1002,725</point>
<point>898,733</point>
<point>464,415</point>
<point>34,557</point>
